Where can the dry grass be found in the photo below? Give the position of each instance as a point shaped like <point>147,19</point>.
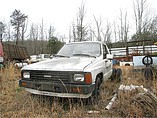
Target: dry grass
<point>137,103</point>
<point>16,102</point>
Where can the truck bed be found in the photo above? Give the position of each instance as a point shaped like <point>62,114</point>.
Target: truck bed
<point>14,52</point>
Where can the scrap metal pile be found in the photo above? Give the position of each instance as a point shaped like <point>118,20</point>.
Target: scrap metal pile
<point>134,101</point>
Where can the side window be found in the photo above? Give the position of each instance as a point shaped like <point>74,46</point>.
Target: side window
<point>105,52</point>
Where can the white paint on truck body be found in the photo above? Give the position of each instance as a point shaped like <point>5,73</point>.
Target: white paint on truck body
<point>77,57</point>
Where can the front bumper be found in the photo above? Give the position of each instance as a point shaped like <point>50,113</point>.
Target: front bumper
<point>58,89</point>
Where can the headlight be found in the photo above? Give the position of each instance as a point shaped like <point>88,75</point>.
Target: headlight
<point>79,77</point>
<point>26,74</point>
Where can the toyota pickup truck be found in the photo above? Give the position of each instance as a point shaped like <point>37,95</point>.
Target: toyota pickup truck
<point>76,71</point>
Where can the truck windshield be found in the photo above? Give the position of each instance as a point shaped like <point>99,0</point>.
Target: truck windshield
<point>81,49</point>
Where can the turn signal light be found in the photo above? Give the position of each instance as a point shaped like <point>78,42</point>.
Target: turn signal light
<point>23,83</point>
<point>88,78</point>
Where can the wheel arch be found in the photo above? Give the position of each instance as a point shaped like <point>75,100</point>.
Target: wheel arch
<point>100,75</point>
<point>127,64</point>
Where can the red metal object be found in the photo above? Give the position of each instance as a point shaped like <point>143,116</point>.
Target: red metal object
<point>1,50</point>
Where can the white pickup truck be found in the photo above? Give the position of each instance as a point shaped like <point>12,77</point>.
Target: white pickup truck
<point>76,71</point>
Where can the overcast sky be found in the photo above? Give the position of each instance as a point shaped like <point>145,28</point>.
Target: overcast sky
<point>61,13</point>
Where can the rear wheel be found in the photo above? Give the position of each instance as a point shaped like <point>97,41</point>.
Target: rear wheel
<point>116,74</point>
<point>119,74</point>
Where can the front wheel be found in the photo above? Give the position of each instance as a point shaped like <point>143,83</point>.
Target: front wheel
<point>95,95</point>
<point>96,91</point>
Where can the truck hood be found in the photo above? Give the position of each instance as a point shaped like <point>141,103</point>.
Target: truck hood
<point>62,64</point>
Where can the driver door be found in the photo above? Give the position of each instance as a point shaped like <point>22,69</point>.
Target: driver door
<point>107,63</point>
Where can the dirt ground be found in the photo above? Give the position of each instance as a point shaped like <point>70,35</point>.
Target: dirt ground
<point>15,102</point>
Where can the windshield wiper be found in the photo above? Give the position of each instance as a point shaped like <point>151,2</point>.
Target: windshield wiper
<point>84,55</point>
<point>56,55</point>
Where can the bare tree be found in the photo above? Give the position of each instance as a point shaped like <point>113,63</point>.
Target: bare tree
<point>108,33</point>
<point>34,38</point>
<point>2,28</point>
<point>23,29</point>
<point>115,32</point>
<point>74,32</point>
<point>123,28</point>
<point>153,25</point>
<point>51,31</point>
<point>142,20</point>
<point>126,29</point>
<point>91,34</point>
<point>80,30</point>
<point>8,35</point>
<point>42,36</point>
<point>70,36</point>
<point>98,25</point>
<point>139,9</point>
<point>80,20</point>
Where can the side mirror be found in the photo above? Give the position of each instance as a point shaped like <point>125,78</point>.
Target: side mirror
<point>109,56</point>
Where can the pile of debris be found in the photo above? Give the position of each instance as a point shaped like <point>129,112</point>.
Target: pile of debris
<point>134,101</point>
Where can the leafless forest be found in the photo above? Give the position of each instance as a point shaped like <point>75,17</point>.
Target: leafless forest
<point>41,39</point>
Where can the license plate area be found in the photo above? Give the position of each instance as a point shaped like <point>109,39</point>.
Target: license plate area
<point>44,87</point>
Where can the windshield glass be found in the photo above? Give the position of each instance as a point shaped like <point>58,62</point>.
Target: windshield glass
<point>76,49</point>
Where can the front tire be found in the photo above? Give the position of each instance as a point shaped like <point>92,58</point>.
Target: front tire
<point>96,91</point>
<point>95,95</point>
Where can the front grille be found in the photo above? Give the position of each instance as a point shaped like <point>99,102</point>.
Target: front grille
<point>53,76</point>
